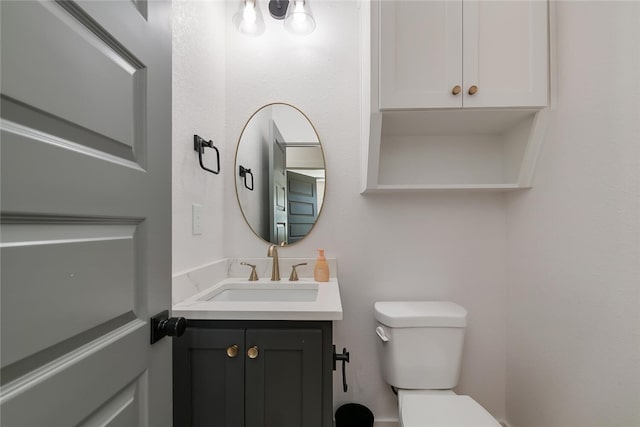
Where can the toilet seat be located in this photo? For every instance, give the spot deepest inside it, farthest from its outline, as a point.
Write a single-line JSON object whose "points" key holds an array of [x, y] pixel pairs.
{"points": [[421, 408]]}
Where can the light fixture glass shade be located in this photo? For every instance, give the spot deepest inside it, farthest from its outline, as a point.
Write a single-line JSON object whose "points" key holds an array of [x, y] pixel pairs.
{"points": [[299, 19], [248, 19]]}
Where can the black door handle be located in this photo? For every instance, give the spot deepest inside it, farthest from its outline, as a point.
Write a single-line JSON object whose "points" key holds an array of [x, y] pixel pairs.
{"points": [[162, 326]]}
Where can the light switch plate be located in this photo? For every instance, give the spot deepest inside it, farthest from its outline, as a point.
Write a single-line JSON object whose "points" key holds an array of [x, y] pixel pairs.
{"points": [[196, 220]]}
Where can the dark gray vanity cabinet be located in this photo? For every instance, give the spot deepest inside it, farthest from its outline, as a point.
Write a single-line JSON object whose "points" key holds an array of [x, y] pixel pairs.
{"points": [[253, 374]]}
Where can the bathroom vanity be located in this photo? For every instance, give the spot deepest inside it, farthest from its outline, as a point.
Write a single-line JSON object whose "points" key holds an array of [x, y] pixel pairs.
{"points": [[258, 349], [256, 353], [253, 373]]}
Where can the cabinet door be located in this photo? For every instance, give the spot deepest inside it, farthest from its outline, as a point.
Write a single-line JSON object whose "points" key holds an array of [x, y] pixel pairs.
{"points": [[505, 53], [284, 381], [420, 54], [208, 381]]}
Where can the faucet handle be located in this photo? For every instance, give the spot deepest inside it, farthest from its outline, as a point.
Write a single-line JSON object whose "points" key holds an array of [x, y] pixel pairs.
{"points": [[294, 273], [253, 276]]}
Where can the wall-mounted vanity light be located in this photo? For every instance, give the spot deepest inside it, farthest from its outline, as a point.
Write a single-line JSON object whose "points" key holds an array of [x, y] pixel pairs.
{"points": [[278, 8], [297, 16]]}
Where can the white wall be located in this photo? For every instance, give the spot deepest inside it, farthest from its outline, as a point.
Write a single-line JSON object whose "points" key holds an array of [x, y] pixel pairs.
{"points": [[253, 153], [294, 127], [571, 248], [198, 108], [393, 247], [574, 239]]}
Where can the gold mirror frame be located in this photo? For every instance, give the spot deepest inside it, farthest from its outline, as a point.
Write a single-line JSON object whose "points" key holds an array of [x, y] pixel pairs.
{"points": [[250, 181]]}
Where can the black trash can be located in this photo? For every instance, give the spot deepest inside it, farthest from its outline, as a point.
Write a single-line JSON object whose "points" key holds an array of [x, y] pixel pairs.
{"points": [[354, 415]]}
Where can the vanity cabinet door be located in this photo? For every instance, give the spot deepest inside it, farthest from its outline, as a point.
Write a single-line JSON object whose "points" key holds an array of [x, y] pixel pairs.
{"points": [[284, 377], [279, 375], [208, 384]]}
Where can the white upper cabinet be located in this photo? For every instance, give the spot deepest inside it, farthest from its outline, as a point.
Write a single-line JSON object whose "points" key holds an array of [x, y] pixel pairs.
{"points": [[463, 53], [420, 54]]}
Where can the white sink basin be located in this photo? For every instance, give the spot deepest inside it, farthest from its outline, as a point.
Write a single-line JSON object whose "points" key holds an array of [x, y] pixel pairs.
{"points": [[261, 292], [240, 299]]}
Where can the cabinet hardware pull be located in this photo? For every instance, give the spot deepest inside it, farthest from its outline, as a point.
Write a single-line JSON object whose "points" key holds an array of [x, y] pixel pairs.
{"points": [[456, 90], [232, 351], [253, 352], [473, 89]]}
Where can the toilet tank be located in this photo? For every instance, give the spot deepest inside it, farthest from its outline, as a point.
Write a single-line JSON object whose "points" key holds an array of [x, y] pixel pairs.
{"points": [[420, 343]]}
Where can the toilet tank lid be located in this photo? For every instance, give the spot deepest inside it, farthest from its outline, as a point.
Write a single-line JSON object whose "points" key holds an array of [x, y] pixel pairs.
{"points": [[416, 314]]}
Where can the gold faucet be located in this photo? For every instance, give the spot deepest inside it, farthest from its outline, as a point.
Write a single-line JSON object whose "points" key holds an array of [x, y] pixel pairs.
{"points": [[253, 276], [294, 273], [275, 271]]}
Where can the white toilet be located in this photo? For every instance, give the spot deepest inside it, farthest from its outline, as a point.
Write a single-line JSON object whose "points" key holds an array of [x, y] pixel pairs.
{"points": [[420, 349]]}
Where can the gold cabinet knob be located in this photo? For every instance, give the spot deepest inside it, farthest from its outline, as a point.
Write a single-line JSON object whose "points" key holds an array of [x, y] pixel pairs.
{"points": [[232, 351], [473, 89], [456, 90], [253, 352]]}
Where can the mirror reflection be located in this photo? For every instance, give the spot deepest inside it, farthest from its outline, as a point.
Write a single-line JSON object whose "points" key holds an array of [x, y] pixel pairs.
{"points": [[280, 174]]}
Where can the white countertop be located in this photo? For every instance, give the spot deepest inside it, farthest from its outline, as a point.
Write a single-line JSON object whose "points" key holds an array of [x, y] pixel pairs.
{"points": [[327, 305]]}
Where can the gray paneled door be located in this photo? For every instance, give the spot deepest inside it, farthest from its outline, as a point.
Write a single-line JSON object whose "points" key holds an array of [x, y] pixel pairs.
{"points": [[86, 212], [302, 202], [277, 187]]}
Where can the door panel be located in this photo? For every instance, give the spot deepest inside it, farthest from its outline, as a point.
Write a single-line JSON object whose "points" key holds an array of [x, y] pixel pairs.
{"points": [[208, 384], [123, 410], [420, 53], [277, 188], [86, 77], [505, 53], [284, 383], [302, 198], [60, 292], [73, 387], [86, 216]]}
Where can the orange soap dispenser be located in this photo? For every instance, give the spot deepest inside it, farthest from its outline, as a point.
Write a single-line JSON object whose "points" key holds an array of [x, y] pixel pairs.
{"points": [[321, 270]]}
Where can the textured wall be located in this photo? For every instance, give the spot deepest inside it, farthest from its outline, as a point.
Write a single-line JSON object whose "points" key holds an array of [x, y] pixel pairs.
{"points": [[389, 247], [198, 108], [574, 239], [571, 246]]}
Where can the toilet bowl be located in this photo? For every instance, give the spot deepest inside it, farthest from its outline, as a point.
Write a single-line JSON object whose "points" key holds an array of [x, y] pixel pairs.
{"points": [[420, 348]]}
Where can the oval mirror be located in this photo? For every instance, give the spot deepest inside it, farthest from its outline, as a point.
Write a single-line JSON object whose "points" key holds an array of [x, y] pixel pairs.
{"points": [[280, 174]]}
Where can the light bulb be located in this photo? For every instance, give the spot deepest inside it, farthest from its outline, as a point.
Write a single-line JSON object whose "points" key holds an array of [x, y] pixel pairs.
{"points": [[249, 13], [298, 13], [248, 18], [299, 19]]}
